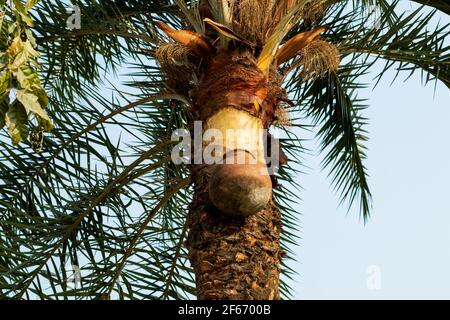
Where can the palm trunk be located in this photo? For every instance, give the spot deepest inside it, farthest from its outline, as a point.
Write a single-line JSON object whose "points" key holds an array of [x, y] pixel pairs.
{"points": [[235, 255], [234, 226], [234, 259]]}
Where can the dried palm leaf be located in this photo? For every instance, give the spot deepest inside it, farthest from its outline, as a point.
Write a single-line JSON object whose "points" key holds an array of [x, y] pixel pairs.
{"points": [[224, 30], [282, 7], [295, 44], [196, 42], [222, 12]]}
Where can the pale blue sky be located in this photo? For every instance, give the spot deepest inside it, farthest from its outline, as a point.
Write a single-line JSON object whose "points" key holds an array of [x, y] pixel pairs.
{"points": [[408, 236]]}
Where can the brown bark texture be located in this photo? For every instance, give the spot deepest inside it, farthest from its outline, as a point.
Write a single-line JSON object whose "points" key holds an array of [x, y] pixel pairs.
{"points": [[233, 259]]}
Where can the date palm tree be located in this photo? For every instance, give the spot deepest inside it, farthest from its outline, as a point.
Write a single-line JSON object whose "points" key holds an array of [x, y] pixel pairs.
{"points": [[93, 204]]}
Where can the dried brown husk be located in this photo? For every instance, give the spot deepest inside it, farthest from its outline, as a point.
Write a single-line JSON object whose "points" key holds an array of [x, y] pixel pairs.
{"points": [[318, 58], [252, 19], [176, 61], [282, 116]]}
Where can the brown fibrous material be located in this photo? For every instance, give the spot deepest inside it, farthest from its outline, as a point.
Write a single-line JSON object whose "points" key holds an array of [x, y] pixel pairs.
{"points": [[252, 19], [234, 80], [176, 62], [282, 117], [318, 58], [256, 20], [313, 12]]}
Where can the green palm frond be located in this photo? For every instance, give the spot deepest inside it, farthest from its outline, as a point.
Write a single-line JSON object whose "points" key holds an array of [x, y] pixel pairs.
{"points": [[409, 45], [88, 200], [73, 57], [406, 43], [332, 106], [442, 5]]}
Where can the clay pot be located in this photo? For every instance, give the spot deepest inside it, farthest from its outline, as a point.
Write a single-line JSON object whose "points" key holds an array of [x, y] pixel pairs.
{"points": [[240, 190]]}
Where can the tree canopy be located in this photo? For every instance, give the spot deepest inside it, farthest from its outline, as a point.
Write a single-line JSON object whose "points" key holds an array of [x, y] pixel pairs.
{"points": [[86, 178]]}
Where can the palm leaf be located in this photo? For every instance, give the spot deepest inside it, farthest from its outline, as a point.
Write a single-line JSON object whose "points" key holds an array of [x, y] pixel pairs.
{"points": [[442, 5]]}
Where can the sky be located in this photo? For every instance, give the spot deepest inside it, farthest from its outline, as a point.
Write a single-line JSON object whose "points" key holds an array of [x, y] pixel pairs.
{"points": [[403, 251], [408, 235]]}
